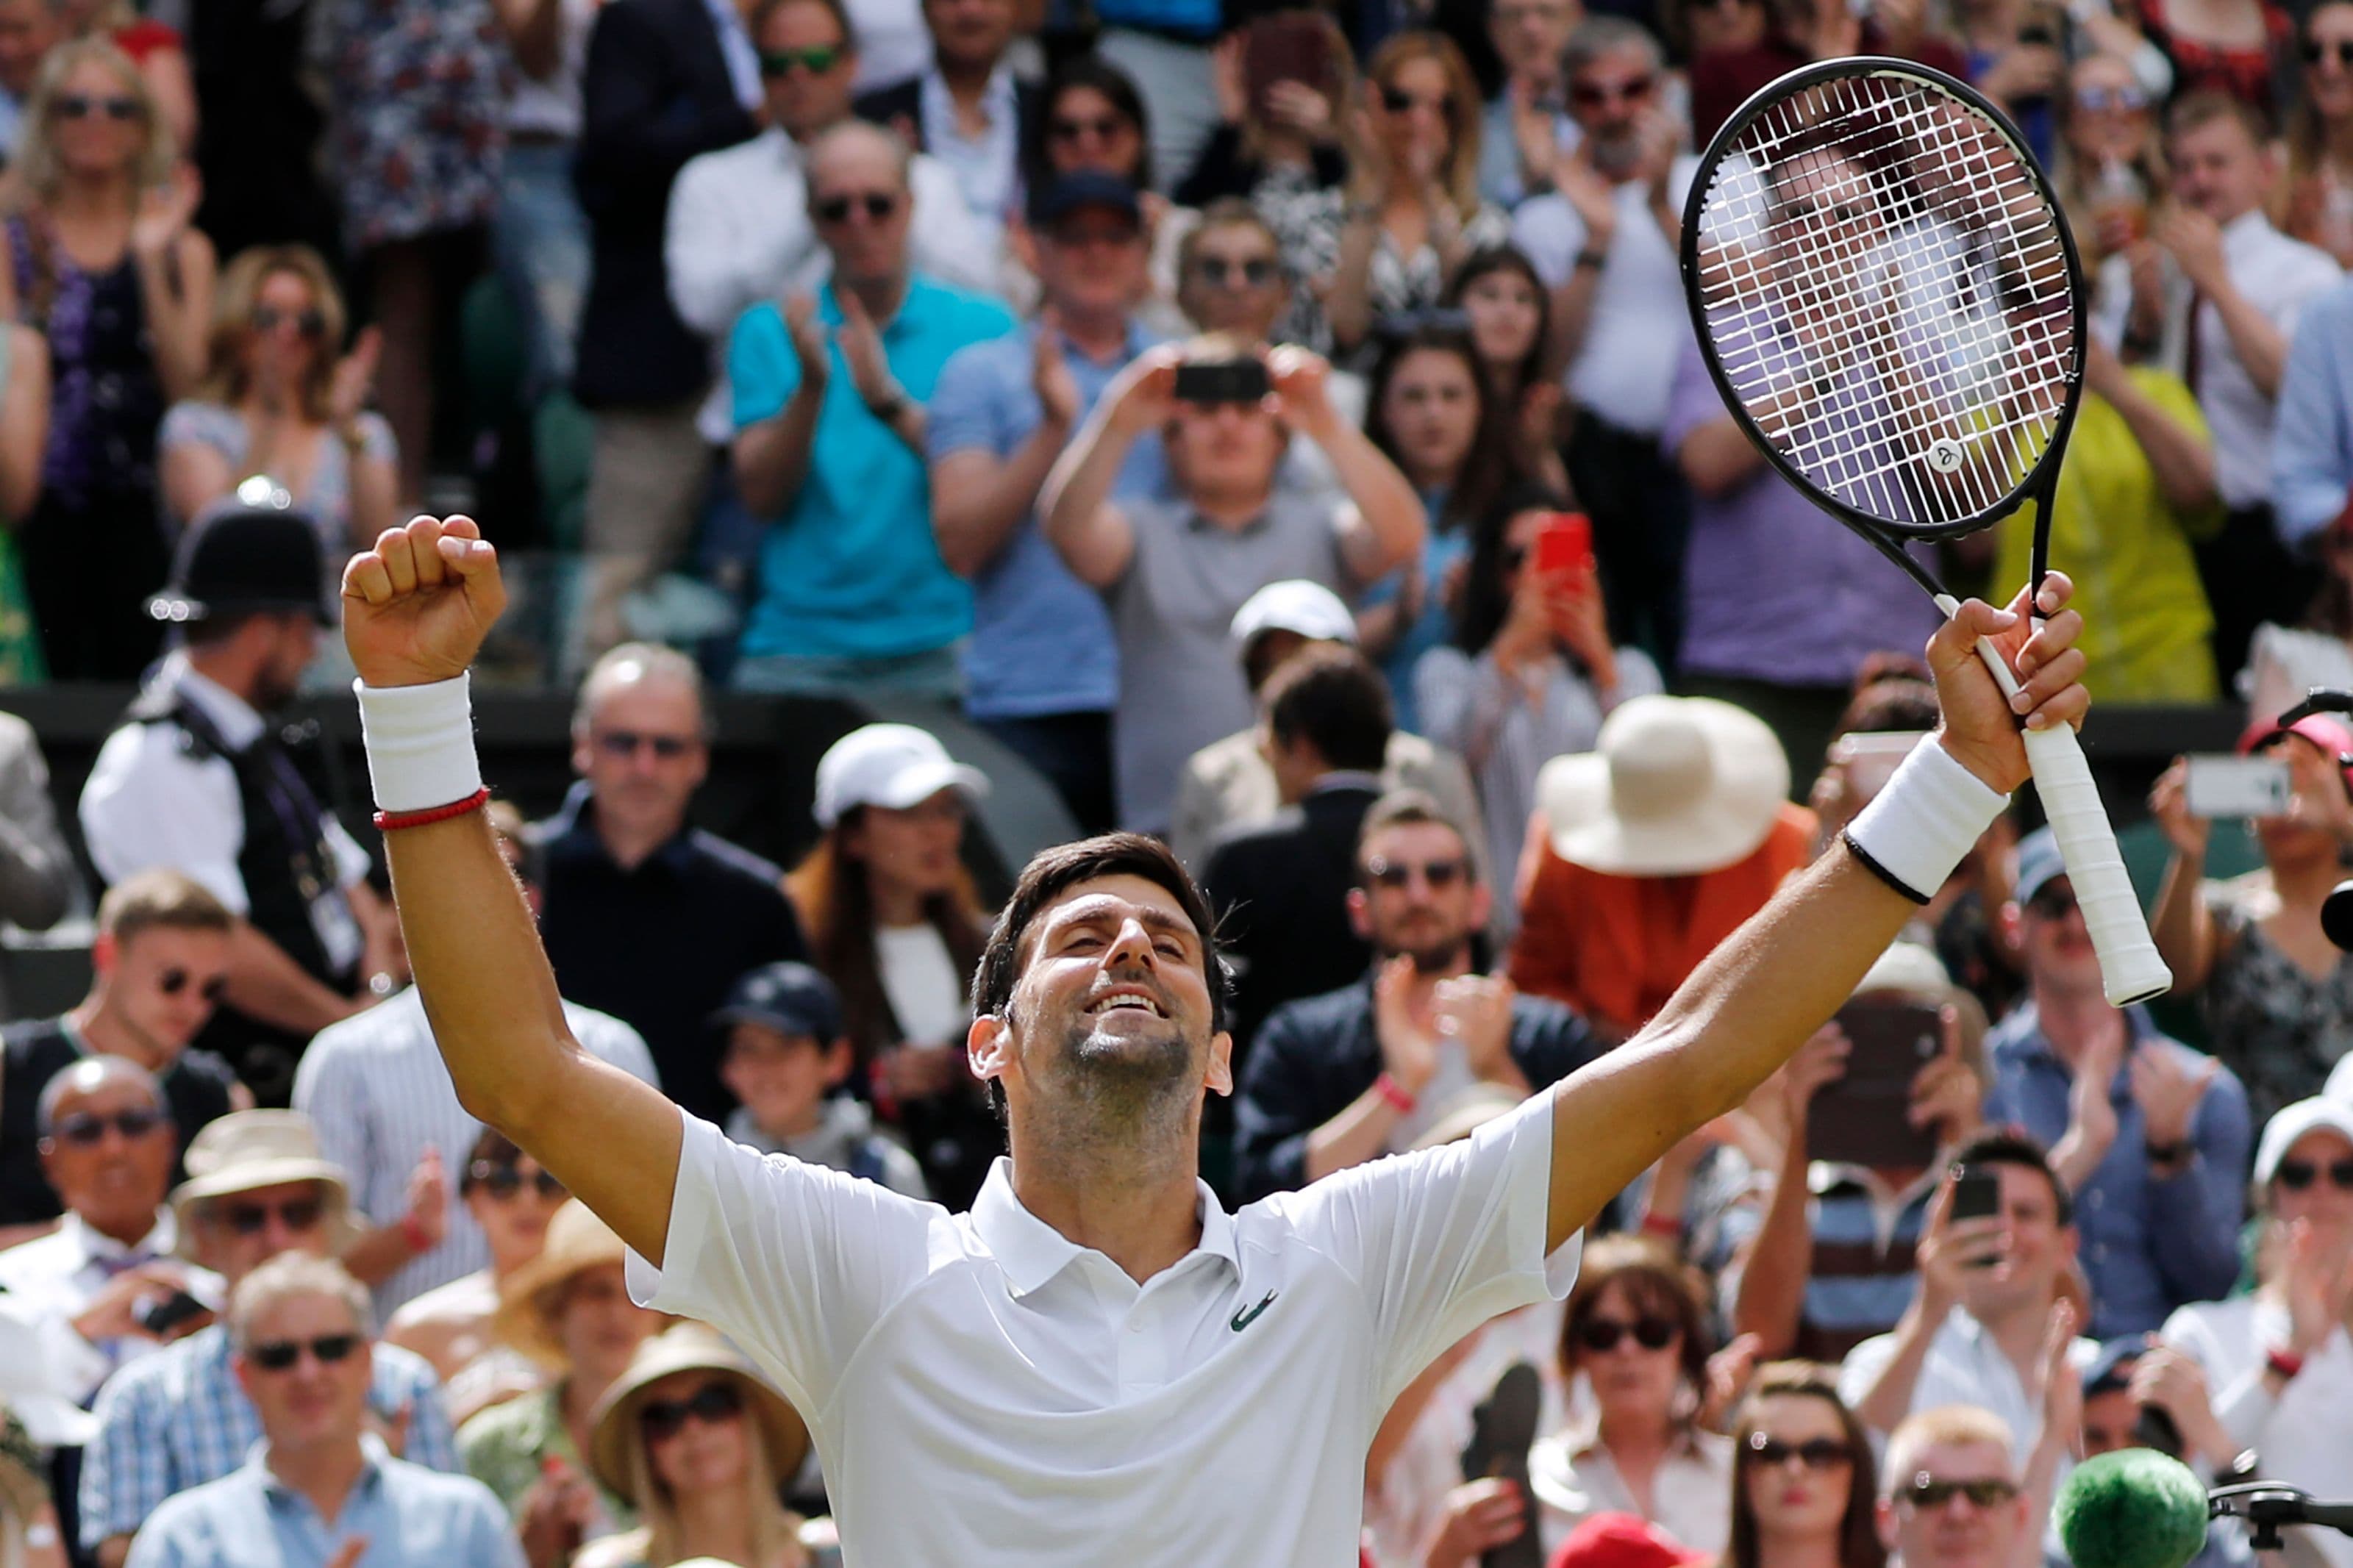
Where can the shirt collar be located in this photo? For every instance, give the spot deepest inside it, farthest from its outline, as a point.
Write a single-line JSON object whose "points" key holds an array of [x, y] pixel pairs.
{"points": [[1032, 1252], [238, 724], [2250, 227], [93, 1244], [373, 1455], [995, 99]]}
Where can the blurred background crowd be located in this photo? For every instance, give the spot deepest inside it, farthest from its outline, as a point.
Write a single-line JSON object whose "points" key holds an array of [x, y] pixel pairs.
{"points": [[1276, 430]]}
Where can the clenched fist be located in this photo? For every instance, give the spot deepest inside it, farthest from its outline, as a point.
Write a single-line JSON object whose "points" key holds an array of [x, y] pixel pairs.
{"points": [[418, 606]]}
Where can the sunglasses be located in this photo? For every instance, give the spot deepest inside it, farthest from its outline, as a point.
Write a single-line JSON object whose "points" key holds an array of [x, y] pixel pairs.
{"points": [[1394, 874], [1396, 100], [711, 1404], [1593, 94], [2124, 99], [252, 1219], [279, 1355], [172, 981], [87, 1130], [1102, 129], [311, 324], [81, 106], [2318, 50], [879, 204], [2297, 1175], [1814, 1453], [627, 743], [1600, 1335], [1930, 1492], [816, 61], [1224, 272], [504, 1182]]}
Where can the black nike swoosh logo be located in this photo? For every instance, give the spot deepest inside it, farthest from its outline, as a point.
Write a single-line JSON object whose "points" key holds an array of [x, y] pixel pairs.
{"points": [[1249, 1315]]}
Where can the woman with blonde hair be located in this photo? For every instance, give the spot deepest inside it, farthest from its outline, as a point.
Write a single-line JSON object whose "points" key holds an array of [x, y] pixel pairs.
{"points": [[103, 260], [278, 400], [702, 1448], [1413, 210], [155, 47]]}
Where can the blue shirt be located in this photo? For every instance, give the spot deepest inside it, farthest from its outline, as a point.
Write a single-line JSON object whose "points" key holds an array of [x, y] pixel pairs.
{"points": [[1440, 548], [177, 1419], [1042, 640], [2147, 1245], [2311, 432], [409, 1516], [851, 570]]}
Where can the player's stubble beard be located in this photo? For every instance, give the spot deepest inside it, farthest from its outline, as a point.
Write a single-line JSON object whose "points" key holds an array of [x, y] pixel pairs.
{"points": [[1119, 1103]]}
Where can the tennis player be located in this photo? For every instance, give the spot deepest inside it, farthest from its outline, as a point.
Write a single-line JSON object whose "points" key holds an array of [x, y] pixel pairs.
{"points": [[1099, 1365]]}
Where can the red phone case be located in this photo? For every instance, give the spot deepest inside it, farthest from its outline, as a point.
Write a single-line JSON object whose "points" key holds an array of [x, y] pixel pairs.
{"points": [[1564, 543]]}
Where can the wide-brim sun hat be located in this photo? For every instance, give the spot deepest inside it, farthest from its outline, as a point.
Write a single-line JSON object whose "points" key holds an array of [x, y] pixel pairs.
{"points": [[689, 1347], [891, 765], [248, 1150], [576, 1241], [1675, 787]]}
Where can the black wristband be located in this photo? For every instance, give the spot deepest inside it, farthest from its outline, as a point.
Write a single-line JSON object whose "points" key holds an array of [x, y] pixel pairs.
{"points": [[1597, 260], [2174, 1154], [1863, 858]]}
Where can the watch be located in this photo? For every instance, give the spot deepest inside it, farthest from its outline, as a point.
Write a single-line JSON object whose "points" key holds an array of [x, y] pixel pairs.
{"points": [[888, 406], [1597, 260], [2172, 1154]]}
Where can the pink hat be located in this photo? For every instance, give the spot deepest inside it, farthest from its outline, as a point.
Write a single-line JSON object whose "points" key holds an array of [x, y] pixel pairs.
{"points": [[1622, 1541], [2326, 730]]}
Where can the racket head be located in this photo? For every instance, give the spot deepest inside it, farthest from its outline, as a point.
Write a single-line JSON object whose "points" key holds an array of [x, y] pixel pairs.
{"points": [[1888, 296]]}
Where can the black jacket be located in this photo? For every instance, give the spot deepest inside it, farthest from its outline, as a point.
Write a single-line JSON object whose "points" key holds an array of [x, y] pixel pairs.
{"points": [[1313, 1058], [655, 93], [899, 106]]}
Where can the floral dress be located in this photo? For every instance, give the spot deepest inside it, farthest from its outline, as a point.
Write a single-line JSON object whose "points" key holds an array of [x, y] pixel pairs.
{"points": [[2269, 1019], [1306, 219], [421, 91]]}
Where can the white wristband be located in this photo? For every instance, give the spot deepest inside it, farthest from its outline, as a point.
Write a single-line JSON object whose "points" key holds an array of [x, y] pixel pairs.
{"points": [[1927, 817], [420, 743]]}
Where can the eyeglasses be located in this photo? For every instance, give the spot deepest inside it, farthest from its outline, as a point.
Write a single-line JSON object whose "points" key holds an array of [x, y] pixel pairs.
{"points": [[279, 1355], [711, 1404], [1931, 1492], [1103, 128], [1394, 874], [2318, 50], [252, 1219], [1398, 101], [172, 981], [1225, 272], [1593, 94], [503, 1182], [1600, 1335], [2297, 1175], [311, 324], [2122, 99], [81, 106], [1814, 1453], [816, 61], [87, 1130], [627, 743], [2052, 903], [878, 206]]}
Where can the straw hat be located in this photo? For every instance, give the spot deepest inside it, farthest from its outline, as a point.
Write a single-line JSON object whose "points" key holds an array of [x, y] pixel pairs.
{"points": [[248, 1150], [689, 1347], [1679, 785], [576, 1242]]}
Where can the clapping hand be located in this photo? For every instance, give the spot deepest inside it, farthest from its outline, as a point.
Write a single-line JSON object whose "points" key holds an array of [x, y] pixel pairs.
{"points": [[1475, 1010], [2169, 803], [862, 351], [1300, 383], [807, 335], [2167, 1090], [1049, 374], [166, 211], [1409, 1053], [426, 1216], [2195, 242]]}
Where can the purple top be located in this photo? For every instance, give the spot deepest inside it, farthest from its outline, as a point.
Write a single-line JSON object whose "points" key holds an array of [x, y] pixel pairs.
{"points": [[1774, 588]]}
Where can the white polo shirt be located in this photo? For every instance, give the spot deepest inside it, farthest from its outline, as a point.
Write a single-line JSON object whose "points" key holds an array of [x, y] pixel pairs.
{"points": [[982, 1390]]}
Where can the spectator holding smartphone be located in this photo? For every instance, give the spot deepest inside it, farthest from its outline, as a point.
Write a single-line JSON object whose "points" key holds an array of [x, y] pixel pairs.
{"points": [[2150, 1137]]}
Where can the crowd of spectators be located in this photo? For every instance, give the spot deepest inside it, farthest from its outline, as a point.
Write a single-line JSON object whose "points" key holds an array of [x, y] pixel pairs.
{"points": [[1280, 429]]}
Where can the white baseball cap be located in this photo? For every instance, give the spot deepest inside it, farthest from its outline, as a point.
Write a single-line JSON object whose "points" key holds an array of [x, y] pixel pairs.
{"points": [[2291, 1123], [891, 765], [1310, 609]]}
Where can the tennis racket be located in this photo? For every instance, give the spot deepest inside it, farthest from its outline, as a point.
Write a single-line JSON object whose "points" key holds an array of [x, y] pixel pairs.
{"points": [[1890, 302]]}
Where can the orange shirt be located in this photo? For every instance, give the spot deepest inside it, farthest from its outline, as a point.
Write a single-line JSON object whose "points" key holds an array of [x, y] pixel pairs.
{"points": [[1615, 948]]}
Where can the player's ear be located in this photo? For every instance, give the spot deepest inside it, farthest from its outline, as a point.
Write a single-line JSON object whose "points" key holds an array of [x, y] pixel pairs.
{"points": [[1219, 1079], [988, 1046]]}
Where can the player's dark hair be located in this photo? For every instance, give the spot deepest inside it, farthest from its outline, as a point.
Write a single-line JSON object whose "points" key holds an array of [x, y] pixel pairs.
{"points": [[1331, 698], [2010, 1146]]}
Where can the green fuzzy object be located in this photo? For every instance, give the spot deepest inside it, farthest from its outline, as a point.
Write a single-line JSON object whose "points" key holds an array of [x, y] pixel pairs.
{"points": [[2132, 1509]]}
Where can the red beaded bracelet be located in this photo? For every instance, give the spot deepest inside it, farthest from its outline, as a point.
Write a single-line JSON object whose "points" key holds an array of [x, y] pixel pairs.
{"points": [[2285, 1362], [389, 820], [1390, 1089]]}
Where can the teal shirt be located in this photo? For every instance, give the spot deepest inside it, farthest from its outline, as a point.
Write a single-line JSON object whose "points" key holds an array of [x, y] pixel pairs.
{"points": [[851, 570]]}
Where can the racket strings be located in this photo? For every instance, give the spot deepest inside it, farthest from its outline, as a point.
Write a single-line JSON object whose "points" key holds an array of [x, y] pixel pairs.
{"points": [[1888, 292]]}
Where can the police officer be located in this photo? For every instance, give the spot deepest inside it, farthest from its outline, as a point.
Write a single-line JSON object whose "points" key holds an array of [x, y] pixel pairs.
{"points": [[199, 778]]}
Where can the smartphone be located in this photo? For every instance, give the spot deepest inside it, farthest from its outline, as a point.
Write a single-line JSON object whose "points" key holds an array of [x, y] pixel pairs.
{"points": [[1869, 758], [161, 1316], [1564, 544], [1859, 1120], [1977, 1196], [1221, 381], [1289, 45], [2236, 786]]}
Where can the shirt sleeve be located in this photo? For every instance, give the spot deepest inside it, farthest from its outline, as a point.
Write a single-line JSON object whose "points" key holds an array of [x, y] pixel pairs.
{"points": [[966, 410], [794, 1262], [2311, 469], [489, 1543], [761, 365], [148, 803], [1442, 1240], [203, 425]]}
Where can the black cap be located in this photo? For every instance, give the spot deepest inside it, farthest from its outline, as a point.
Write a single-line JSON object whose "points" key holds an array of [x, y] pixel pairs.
{"points": [[2112, 1369], [256, 550], [1066, 193], [790, 998]]}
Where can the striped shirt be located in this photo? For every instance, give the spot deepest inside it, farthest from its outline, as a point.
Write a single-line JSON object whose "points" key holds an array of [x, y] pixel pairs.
{"points": [[378, 1092], [177, 1419], [1863, 1274]]}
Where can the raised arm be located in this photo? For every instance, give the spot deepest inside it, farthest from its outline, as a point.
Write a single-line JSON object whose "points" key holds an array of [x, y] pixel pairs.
{"points": [[1075, 512], [415, 609], [1769, 986], [1383, 526]]}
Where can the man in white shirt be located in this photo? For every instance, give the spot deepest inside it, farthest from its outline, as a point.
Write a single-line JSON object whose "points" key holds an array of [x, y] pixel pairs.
{"points": [[2214, 295], [738, 230], [1606, 244], [1099, 1358], [967, 110]]}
